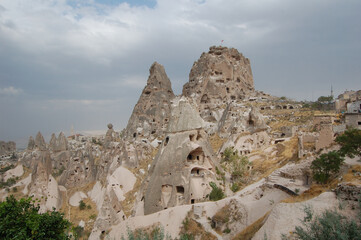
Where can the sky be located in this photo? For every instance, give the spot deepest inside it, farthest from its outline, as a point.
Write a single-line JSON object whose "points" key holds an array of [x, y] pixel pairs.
{"points": [[84, 63]]}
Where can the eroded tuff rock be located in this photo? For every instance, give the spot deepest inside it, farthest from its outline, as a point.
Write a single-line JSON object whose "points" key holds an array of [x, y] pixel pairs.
{"points": [[237, 118], [184, 165], [221, 75], [58, 144], [109, 136], [151, 113], [7, 147], [40, 142], [31, 143]]}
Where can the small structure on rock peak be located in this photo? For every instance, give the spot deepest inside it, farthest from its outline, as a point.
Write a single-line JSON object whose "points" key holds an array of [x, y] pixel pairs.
{"points": [[184, 165], [151, 113]]}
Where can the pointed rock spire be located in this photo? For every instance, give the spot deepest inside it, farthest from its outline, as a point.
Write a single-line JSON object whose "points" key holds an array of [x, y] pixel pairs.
{"points": [[40, 142], [151, 113], [31, 143]]}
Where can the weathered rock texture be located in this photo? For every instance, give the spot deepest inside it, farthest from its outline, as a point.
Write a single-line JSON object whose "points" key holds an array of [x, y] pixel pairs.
{"points": [[184, 165], [221, 75], [7, 147], [109, 136], [58, 144], [40, 142], [151, 113]]}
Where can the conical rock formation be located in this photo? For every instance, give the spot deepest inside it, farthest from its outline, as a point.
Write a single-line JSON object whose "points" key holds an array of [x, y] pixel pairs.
{"points": [[151, 113]]}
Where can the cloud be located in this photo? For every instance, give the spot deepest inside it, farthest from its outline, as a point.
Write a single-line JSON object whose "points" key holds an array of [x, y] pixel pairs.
{"points": [[10, 91]]}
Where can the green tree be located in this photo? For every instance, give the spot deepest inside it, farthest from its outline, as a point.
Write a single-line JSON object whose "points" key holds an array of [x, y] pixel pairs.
{"points": [[326, 165], [22, 220], [350, 142], [325, 99]]}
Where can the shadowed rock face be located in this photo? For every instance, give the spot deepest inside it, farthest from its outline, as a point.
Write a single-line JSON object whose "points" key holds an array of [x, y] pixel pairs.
{"points": [[221, 75], [151, 113], [184, 165]]}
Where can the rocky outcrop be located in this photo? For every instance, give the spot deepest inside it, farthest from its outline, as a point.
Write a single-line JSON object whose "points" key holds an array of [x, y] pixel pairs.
{"points": [[256, 121], [184, 165], [348, 191], [7, 147], [219, 76], [109, 136], [40, 142], [58, 144], [151, 114], [31, 143]]}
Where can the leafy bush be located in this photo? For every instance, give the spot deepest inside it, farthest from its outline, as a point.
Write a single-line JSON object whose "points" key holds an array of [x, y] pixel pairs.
{"points": [[8, 183], [229, 155], [78, 232], [329, 225], [186, 236], [156, 234], [4, 169], [235, 187], [326, 165], [216, 193], [82, 205], [21, 220], [350, 142]]}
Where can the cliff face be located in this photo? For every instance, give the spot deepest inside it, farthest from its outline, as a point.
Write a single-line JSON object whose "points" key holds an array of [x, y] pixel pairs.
{"points": [[221, 75], [151, 114], [184, 166]]}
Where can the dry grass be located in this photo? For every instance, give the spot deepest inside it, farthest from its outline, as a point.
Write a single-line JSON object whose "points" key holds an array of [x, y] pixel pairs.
{"points": [[316, 189], [286, 151], [223, 214], [351, 175], [216, 142], [74, 214], [251, 230], [195, 229], [129, 201]]}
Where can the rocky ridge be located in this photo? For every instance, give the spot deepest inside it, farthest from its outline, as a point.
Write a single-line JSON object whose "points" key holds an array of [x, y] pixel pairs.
{"points": [[159, 169]]}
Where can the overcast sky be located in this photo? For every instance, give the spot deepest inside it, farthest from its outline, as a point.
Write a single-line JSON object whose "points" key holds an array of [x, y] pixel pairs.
{"points": [[85, 62]]}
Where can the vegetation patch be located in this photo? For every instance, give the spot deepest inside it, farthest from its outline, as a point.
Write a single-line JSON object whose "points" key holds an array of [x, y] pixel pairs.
{"points": [[192, 229], [251, 230]]}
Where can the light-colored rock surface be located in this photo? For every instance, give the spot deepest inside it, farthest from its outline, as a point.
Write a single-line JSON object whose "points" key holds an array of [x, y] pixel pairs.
{"points": [[286, 216], [76, 198], [18, 171], [151, 114], [184, 166], [121, 181]]}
